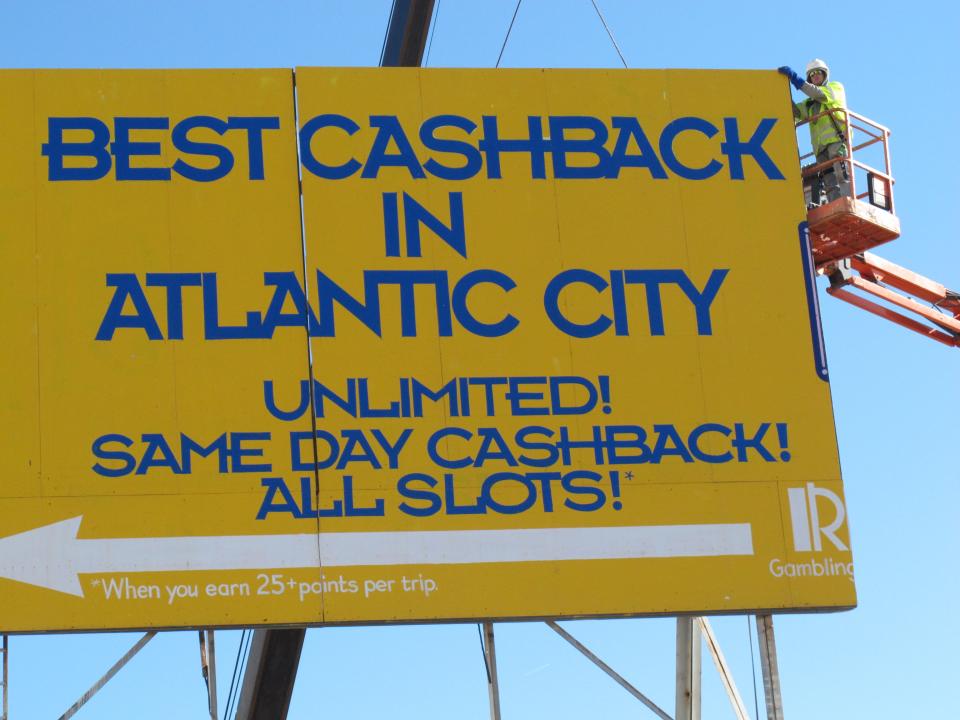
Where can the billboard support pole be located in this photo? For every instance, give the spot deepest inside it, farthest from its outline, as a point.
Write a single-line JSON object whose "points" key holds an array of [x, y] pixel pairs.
{"points": [[204, 668], [212, 667], [6, 678], [490, 658], [768, 664], [688, 668], [208, 668]]}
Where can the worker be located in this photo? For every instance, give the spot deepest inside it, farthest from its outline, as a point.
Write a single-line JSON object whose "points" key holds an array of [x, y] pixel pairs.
{"points": [[827, 133]]}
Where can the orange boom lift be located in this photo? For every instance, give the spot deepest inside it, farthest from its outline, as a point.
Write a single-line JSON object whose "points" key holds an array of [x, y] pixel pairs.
{"points": [[843, 230]]}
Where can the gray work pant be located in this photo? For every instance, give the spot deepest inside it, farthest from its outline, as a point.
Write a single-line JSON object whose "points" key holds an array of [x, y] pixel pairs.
{"points": [[833, 181]]}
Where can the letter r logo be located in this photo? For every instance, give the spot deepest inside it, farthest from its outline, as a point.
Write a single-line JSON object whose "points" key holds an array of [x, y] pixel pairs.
{"points": [[805, 518]]}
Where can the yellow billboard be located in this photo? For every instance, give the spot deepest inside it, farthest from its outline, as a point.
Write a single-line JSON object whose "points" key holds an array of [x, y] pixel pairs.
{"points": [[461, 344]]}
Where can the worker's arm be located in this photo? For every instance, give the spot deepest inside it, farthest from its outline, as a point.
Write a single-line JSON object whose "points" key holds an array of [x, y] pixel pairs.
{"points": [[814, 92]]}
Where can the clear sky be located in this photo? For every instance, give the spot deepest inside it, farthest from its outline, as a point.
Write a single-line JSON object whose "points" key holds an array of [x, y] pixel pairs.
{"points": [[895, 394]]}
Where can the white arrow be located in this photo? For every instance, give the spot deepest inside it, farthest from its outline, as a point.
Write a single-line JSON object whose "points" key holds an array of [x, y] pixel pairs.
{"points": [[53, 556]]}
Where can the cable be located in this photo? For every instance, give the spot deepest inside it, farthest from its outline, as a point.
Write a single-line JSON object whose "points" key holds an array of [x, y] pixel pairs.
{"points": [[433, 25], [234, 676], [243, 663], [610, 34], [753, 667], [504, 46]]}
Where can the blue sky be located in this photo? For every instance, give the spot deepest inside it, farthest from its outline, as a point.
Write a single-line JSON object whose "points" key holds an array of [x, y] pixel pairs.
{"points": [[895, 394]]}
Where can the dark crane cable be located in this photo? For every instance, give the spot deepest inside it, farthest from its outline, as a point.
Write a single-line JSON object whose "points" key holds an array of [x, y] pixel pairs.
{"points": [[512, 21], [609, 34], [433, 28], [243, 663], [234, 676]]}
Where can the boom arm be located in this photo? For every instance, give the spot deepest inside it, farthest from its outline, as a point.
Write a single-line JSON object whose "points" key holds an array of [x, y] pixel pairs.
{"points": [[903, 289]]}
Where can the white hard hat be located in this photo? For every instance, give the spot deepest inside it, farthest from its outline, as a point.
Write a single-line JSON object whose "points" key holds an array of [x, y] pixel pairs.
{"points": [[817, 64]]}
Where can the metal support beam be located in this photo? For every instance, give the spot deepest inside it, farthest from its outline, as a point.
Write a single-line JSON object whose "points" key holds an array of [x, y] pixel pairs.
{"points": [[98, 685], [622, 681], [208, 668], [270, 674], [6, 679], [726, 676], [407, 33], [768, 664], [688, 668], [205, 670], [490, 657]]}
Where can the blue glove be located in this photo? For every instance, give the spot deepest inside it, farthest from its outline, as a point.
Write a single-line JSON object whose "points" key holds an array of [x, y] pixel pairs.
{"points": [[795, 79]]}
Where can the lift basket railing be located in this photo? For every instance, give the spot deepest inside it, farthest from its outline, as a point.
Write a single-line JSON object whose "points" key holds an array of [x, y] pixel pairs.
{"points": [[878, 183]]}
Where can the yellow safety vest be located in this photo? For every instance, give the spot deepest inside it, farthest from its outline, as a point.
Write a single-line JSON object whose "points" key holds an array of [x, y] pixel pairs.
{"points": [[823, 130]]}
